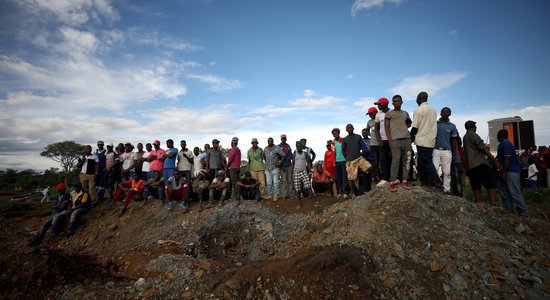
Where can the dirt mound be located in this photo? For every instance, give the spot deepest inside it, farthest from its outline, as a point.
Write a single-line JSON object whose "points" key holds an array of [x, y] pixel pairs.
{"points": [[409, 244]]}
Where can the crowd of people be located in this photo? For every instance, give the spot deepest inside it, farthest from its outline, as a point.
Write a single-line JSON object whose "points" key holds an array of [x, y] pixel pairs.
{"points": [[381, 156]]}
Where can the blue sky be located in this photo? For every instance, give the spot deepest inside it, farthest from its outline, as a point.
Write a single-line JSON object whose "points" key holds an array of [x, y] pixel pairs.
{"points": [[136, 71]]}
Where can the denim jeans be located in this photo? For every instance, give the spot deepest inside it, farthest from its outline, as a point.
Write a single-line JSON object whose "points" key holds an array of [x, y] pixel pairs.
{"points": [[248, 193], [426, 168], [286, 181], [272, 181], [37, 239], [74, 218], [341, 177], [510, 192], [155, 191]]}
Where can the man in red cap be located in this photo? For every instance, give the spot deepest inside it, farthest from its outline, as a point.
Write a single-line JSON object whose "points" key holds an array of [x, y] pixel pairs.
{"points": [[61, 205], [384, 158], [156, 159]]}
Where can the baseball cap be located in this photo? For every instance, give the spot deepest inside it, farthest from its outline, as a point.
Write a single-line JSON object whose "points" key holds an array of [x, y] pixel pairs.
{"points": [[382, 100], [77, 184], [469, 124], [215, 141], [235, 140], [221, 173], [283, 135], [100, 143], [156, 142], [110, 145], [372, 110], [60, 186], [254, 140], [335, 129], [329, 142]]}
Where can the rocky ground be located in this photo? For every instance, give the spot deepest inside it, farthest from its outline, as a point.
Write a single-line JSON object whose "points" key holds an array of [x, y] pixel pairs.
{"points": [[407, 245]]}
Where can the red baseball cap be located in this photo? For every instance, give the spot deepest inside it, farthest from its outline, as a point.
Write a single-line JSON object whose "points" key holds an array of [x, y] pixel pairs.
{"points": [[60, 186], [382, 100], [372, 110], [156, 142]]}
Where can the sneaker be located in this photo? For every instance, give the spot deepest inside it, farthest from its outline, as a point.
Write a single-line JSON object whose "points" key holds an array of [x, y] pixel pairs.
{"points": [[345, 196], [274, 198], [381, 184], [169, 206], [405, 185], [150, 198], [122, 211], [393, 187], [183, 206]]}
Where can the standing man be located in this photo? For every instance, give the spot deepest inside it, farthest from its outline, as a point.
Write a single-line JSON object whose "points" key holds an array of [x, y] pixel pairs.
{"points": [[89, 165], [215, 160], [139, 161], [234, 164], [384, 152], [128, 162], [330, 161], [352, 145], [340, 164], [100, 180], [185, 161], [273, 156], [197, 166], [308, 150], [400, 143], [286, 168], [301, 165], [170, 159], [477, 167], [256, 165], [145, 164], [423, 133], [445, 147], [374, 145], [156, 159], [510, 188]]}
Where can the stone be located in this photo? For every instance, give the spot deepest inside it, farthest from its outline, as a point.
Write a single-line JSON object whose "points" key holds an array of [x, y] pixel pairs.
{"points": [[446, 288], [139, 284], [187, 296], [149, 292], [520, 228], [169, 276], [435, 266], [390, 282], [304, 289], [353, 287], [399, 251], [199, 273], [267, 227], [233, 284], [533, 294], [459, 283]]}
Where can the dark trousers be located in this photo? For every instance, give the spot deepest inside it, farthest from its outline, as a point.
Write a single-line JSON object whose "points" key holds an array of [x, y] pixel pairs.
{"points": [[341, 177], [384, 160], [375, 159], [457, 183], [426, 168], [248, 193]]}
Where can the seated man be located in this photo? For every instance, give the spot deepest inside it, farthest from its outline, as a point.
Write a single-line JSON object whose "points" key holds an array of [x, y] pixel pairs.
{"points": [[218, 188], [323, 182], [177, 189], [80, 204], [154, 187], [248, 188], [61, 205], [133, 189], [200, 187]]}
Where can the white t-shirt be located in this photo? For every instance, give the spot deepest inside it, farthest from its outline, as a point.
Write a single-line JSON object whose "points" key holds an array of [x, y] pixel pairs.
{"points": [[146, 167], [531, 172], [425, 120], [196, 165], [127, 159], [216, 180], [379, 119], [183, 162]]}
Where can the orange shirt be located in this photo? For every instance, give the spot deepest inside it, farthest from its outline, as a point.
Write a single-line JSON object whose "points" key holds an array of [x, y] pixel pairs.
{"points": [[321, 177], [136, 185]]}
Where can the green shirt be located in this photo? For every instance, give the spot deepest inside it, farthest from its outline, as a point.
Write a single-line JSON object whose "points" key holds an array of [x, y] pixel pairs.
{"points": [[256, 162]]}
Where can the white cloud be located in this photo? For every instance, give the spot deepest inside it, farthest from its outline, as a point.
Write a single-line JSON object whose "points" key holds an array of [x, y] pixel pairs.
{"points": [[409, 87], [368, 4], [312, 103], [73, 12], [308, 93], [216, 83], [365, 103]]}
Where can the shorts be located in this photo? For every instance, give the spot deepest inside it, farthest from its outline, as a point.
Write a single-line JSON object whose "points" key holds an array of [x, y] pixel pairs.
{"points": [[482, 175], [352, 167]]}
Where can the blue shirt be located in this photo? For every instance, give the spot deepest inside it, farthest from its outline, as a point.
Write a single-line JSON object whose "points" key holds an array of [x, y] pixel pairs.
{"points": [[170, 162], [338, 149], [507, 149], [365, 151], [445, 131]]}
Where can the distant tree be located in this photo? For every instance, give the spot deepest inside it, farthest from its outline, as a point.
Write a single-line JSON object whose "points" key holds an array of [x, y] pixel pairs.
{"points": [[65, 153]]}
